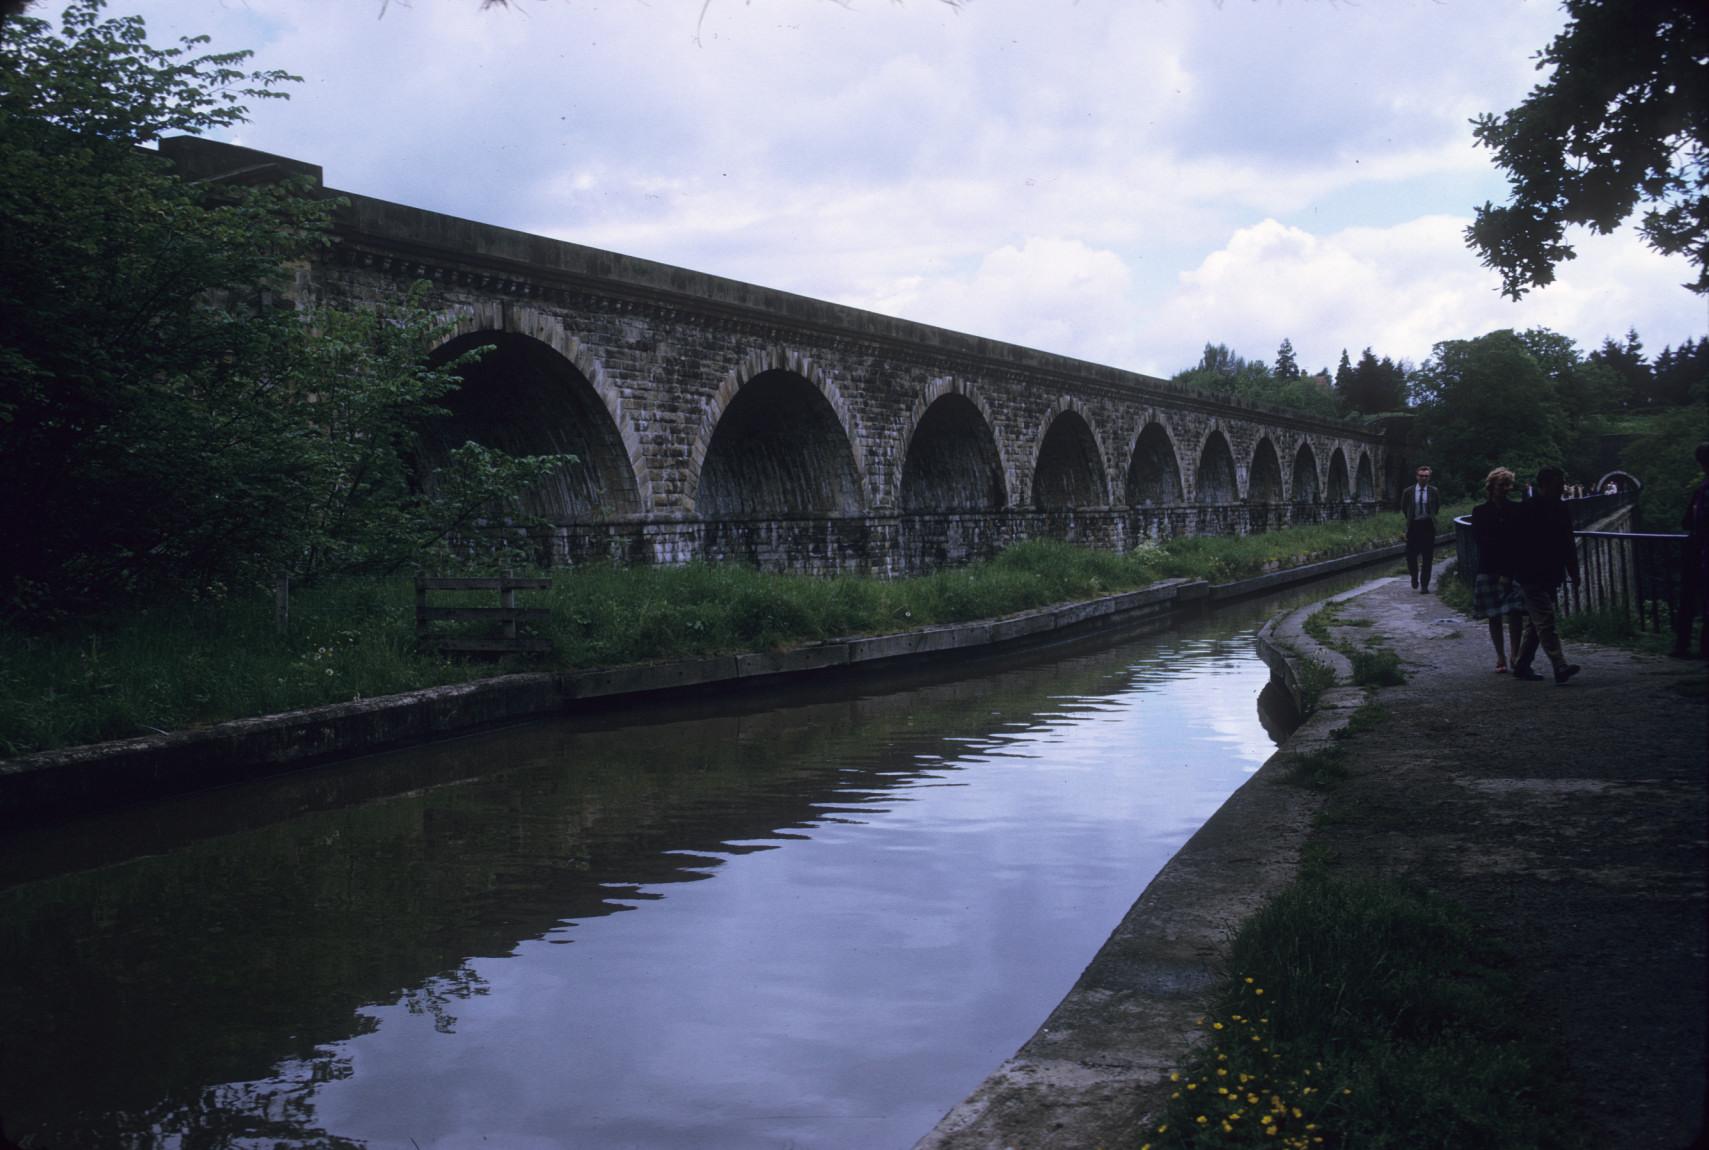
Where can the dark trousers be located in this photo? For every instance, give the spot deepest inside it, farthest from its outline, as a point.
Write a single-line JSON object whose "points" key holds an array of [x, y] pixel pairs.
{"points": [[1420, 550], [1692, 601], [1539, 626]]}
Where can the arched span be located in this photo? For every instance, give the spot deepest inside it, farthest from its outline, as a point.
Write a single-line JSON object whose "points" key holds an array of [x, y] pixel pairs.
{"points": [[778, 450], [951, 460], [1214, 481], [1304, 485], [754, 365], [1338, 489], [1154, 472], [524, 396], [1070, 470], [497, 316], [1264, 480], [1366, 487]]}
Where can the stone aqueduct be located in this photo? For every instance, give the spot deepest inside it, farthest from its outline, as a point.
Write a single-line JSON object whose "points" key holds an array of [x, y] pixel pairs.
{"points": [[720, 420]]}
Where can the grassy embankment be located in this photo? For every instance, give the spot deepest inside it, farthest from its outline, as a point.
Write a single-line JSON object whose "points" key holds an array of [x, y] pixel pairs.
{"points": [[192, 664], [1368, 1013]]}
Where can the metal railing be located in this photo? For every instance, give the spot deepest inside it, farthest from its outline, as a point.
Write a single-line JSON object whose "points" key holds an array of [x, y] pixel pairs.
{"points": [[1637, 574], [1628, 572]]}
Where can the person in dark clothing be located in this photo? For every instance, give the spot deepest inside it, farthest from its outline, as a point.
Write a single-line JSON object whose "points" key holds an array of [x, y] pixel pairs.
{"points": [[1419, 505], [1692, 598], [1494, 594], [1543, 553]]}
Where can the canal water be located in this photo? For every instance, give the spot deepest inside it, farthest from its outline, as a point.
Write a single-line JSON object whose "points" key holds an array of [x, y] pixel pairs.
{"points": [[813, 919]]}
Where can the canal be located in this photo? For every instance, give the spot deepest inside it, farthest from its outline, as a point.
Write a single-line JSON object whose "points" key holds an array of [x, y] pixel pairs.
{"points": [[813, 919]]}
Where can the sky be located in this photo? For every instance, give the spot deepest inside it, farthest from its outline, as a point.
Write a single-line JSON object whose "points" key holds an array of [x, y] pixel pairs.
{"points": [[1121, 181]]}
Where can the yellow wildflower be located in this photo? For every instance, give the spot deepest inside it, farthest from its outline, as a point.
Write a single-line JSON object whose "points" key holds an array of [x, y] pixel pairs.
{"points": [[1202, 1120]]}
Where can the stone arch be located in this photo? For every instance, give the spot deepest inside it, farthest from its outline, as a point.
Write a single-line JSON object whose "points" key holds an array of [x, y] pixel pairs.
{"points": [[1264, 478], [777, 439], [1338, 489], [1068, 470], [1214, 481], [1304, 487], [951, 458], [1154, 470], [1365, 488], [538, 391]]}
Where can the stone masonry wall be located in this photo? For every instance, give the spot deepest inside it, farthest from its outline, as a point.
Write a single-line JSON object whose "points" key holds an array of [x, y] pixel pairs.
{"points": [[810, 461]]}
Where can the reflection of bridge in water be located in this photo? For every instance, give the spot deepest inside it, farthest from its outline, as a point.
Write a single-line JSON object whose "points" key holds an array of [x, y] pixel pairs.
{"points": [[225, 948]]}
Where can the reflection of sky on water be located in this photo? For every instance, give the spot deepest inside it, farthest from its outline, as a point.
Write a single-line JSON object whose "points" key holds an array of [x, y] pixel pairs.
{"points": [[847, 987], [815, 919]]}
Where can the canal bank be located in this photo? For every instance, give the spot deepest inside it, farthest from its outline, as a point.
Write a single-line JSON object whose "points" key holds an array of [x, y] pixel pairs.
{"points": [[79, 779], [1568, 821]]}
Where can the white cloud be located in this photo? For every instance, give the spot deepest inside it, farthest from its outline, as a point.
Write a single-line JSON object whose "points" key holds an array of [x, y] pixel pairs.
{"points": [[1117, 181], [1401, 289], [1048, 293]]}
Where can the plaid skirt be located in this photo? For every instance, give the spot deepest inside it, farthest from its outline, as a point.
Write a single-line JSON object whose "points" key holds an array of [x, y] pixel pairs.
{"points": [[1488, 601]]}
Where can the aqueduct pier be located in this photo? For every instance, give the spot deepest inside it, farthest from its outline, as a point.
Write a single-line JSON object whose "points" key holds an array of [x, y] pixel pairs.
{"points": [[719, 420]]}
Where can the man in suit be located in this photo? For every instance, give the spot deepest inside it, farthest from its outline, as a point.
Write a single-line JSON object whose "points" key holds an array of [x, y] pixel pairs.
{"points": [[1419, 504]]}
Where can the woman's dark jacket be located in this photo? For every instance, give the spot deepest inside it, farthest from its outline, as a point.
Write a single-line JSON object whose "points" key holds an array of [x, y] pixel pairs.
{"points": [[1493, 525]]}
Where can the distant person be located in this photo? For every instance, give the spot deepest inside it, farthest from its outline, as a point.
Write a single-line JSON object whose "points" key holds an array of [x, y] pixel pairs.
{"points": [[1543, 554], [1494, 594], [1611, 488], [1419, 505], [1692, 595]]}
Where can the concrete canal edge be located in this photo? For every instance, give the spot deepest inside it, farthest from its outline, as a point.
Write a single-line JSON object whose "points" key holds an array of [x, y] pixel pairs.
{"points": [[74, 780], [1097, 1071]]}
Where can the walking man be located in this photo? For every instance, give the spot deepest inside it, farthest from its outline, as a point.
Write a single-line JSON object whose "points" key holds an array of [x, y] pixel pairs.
{"points": [[1419, 505], [1543, 553]]}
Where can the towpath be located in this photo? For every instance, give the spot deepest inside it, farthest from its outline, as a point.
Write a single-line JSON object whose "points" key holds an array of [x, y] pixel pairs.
{"points": [[1569, 820]]}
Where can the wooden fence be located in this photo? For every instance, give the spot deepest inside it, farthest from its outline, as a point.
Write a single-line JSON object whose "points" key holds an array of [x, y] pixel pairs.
{"points": [[507, 614]]}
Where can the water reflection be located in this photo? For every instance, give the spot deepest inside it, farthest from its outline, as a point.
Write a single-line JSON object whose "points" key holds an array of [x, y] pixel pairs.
{"points": [[814, 925]]}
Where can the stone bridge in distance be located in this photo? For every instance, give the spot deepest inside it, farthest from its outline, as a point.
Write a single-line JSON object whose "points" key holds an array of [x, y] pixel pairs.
{"points": [[722, 421]]}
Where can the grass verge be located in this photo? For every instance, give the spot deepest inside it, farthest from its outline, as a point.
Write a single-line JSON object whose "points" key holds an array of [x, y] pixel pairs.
{"points": [[1367, 1013], [194, 663]]}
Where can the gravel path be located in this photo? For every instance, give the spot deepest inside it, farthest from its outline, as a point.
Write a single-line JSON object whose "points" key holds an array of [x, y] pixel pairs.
{"points": [[1570, 820]]}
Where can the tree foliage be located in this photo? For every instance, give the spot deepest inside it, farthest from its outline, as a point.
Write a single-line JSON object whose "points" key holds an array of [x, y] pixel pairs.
{"points": [[1484, 403], [1372, 386], [1225, 372], [1622, 120], [170, 422]]}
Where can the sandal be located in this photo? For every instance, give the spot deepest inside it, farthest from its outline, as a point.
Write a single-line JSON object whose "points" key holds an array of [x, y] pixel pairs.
{"points": [[1501, 668]]}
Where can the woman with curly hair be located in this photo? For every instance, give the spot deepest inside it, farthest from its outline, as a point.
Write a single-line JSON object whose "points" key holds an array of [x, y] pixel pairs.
{"points": [[1494, 594]]}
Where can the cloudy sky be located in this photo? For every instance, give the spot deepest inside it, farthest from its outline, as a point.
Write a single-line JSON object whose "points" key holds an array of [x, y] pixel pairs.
{"points": [[1118, 180]]}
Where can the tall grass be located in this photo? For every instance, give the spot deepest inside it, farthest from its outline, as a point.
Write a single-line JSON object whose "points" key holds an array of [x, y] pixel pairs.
{"points": [[191, 664]]}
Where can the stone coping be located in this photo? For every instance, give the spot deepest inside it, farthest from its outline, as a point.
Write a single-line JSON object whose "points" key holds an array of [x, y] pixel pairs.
{"points": [[77, 779]]}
